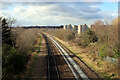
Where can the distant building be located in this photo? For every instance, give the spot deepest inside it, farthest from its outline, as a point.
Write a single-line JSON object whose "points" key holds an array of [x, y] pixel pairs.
{"points": [[78, 29], [83, 28], [65, 26], [68, 26], [75, 28]]}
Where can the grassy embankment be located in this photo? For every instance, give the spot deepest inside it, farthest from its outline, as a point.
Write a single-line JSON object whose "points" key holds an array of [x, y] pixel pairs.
{"points": [[34, 56], [28, 41], [103, 68]]}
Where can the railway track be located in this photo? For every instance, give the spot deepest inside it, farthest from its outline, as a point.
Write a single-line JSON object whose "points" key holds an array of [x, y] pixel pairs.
{"points": [[52, 70], [58, 54], [86, 69]]}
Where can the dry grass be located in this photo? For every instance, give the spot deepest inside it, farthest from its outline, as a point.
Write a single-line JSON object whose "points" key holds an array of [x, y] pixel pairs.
{"points": [[32, 63], [66, 35], [25, 39], [101, 67]]}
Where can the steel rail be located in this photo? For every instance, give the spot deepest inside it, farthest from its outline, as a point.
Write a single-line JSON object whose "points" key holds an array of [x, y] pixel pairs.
{"points": [[64, 53], [51, 58], [71, 68], [78, 58], [58, 76], [48, 62]]}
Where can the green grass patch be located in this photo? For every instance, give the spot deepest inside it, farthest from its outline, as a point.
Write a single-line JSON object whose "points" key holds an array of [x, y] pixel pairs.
{"points": [[41, 38]]}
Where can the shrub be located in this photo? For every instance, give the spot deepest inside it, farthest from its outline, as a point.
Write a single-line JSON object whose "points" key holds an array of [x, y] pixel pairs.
{"points": [[77, 41], [13, 61], [69, 36], [101, 30], [103, 51], [92, 37], [25, 39], [108, 33], [87, 38]]}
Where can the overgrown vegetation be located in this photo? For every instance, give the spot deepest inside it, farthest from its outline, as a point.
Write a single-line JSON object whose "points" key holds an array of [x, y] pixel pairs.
{"points": [[86, 38], [13, 61], [25, 39], [32, 64], [15, 49], [108, 38], [103, 34], [11, 58]]}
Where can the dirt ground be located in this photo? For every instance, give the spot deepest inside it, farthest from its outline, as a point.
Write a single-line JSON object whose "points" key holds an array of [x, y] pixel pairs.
{"points": [[40, 71]]}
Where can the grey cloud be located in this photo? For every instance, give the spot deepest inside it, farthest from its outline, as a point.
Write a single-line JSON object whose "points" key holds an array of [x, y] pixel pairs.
{"points": [[73, 9], [93, 16], [78, 10]]}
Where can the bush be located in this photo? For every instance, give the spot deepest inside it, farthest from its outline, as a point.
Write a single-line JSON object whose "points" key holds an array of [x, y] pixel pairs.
{"points": [[108, 33], [77, 41], [87, 38], [69, 36], [25, 39], [103, 51], [13, 61]]}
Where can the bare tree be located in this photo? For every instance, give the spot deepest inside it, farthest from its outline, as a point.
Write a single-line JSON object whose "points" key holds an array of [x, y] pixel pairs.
{"points": [[98, 22]]}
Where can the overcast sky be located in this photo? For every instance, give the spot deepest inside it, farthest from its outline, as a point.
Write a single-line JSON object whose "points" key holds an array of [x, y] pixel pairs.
{"points": [[59, 13]]}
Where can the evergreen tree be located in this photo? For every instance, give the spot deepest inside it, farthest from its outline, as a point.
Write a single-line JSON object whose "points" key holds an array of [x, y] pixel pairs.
{"points": [[7, 37]]}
